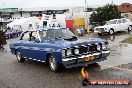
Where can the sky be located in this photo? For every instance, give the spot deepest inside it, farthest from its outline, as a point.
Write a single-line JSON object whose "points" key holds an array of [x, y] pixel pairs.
{"points": [[56, 3]]}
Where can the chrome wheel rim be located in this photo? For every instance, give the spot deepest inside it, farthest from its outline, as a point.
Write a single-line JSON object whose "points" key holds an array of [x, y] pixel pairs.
{"points": [[18, 55], [130, 28], [52, 63], [111, 31]]}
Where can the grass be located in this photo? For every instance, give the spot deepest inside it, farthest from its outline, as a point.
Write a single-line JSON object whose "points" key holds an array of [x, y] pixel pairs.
{"points": [[128, 40]]}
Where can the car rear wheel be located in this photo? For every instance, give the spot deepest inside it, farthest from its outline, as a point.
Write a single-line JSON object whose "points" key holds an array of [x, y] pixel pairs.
{"points": [[9, 37], [53, 64], [111, 31], [19, 57], [17, 35], [129, 28]]}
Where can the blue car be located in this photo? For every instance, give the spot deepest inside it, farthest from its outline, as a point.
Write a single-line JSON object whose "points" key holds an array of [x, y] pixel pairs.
{"points": [[59, 47]]}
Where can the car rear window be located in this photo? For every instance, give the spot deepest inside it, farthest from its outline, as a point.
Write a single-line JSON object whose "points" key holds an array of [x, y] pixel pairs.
{"points": [[111, 22]]}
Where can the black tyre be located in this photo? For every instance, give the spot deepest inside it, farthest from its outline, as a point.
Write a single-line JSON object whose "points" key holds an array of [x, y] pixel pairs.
{"points": [[85, 82], [19, 57], [111, 31], [0, 46], [9, 37], [129, 28], [53, 64], [17, 35]]}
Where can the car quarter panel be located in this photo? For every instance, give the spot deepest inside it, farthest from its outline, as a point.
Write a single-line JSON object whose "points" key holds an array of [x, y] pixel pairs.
{"points": [[39, 51]]}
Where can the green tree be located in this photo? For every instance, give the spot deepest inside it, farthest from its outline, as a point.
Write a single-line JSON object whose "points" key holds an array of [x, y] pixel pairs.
{"points": [[103, 14]]}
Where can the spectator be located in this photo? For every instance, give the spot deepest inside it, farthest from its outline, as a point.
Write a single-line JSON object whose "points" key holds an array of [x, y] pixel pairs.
{"points": [[2, 39], [80, 31]]}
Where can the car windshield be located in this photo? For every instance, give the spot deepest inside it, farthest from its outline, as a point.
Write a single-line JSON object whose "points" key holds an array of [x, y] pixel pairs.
{"points": [[111, 22], [56, 34]]}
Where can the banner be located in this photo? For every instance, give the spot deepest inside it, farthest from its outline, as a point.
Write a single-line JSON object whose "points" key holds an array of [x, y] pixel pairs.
{"points": [[8, 9]]}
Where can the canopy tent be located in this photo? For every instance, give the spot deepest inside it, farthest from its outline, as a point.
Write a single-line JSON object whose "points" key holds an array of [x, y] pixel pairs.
{"points": [[24, 23]]}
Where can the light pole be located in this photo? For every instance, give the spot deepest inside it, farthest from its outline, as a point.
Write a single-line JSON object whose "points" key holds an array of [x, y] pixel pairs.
{"points": [[112, 2], [86, 17]]}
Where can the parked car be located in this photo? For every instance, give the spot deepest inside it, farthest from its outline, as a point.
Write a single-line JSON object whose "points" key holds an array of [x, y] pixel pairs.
{"points": [[12, 33], [113, 26], [59, 47]]}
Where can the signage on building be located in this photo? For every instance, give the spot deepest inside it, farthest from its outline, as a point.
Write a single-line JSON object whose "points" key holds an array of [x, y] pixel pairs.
{"points": [[9, 9]]}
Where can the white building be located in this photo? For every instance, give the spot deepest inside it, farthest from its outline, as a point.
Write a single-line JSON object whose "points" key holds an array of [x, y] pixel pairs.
{"points": [[9, 14], [24, 24]]}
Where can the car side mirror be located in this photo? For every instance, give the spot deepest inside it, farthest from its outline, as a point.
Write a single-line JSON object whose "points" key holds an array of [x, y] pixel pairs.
{"points": [[37, 40]]}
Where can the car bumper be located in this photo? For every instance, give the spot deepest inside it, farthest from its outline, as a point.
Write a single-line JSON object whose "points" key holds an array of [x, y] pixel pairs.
{"points": [[97, 31], [79, 61], [100, 31]]}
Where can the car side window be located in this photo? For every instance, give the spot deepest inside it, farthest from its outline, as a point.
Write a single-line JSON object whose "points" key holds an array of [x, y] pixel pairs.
{"points": [[124, 20], [113, 22], [26, 36], [119, 21], [33, 36]]}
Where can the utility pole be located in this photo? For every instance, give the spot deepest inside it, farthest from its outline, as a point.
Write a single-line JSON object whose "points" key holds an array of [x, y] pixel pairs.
{"points": [[3, 4], [112, 2], [86, 17]]}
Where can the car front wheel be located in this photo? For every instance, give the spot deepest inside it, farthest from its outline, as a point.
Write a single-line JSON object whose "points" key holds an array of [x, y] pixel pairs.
{"points": [[53, 64], [19, 57], [111, 31]]}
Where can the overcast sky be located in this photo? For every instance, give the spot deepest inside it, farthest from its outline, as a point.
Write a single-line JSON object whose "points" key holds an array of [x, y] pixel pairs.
{"points": [[55, 3]]}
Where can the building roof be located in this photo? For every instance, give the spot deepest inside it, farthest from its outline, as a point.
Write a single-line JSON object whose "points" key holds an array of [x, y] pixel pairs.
{"points": [[125, 8], [44, 8]]}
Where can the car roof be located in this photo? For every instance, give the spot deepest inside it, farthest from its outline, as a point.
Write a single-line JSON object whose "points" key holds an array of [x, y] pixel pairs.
{"points": [[114, 19], [117, 19]]}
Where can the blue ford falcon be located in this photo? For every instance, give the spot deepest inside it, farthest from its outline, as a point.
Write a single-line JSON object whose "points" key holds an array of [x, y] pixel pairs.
{"points": [[59, 47]]}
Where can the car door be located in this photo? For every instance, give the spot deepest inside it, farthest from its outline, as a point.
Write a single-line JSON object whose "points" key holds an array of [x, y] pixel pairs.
{"points": [[24, 44], [113, 25], [119, 25], [36, 49], [125, 24], [34, 46]]}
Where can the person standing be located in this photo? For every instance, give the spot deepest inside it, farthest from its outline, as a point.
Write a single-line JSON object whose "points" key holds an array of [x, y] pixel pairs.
{"points": [[2, 39], [80, 31]]}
